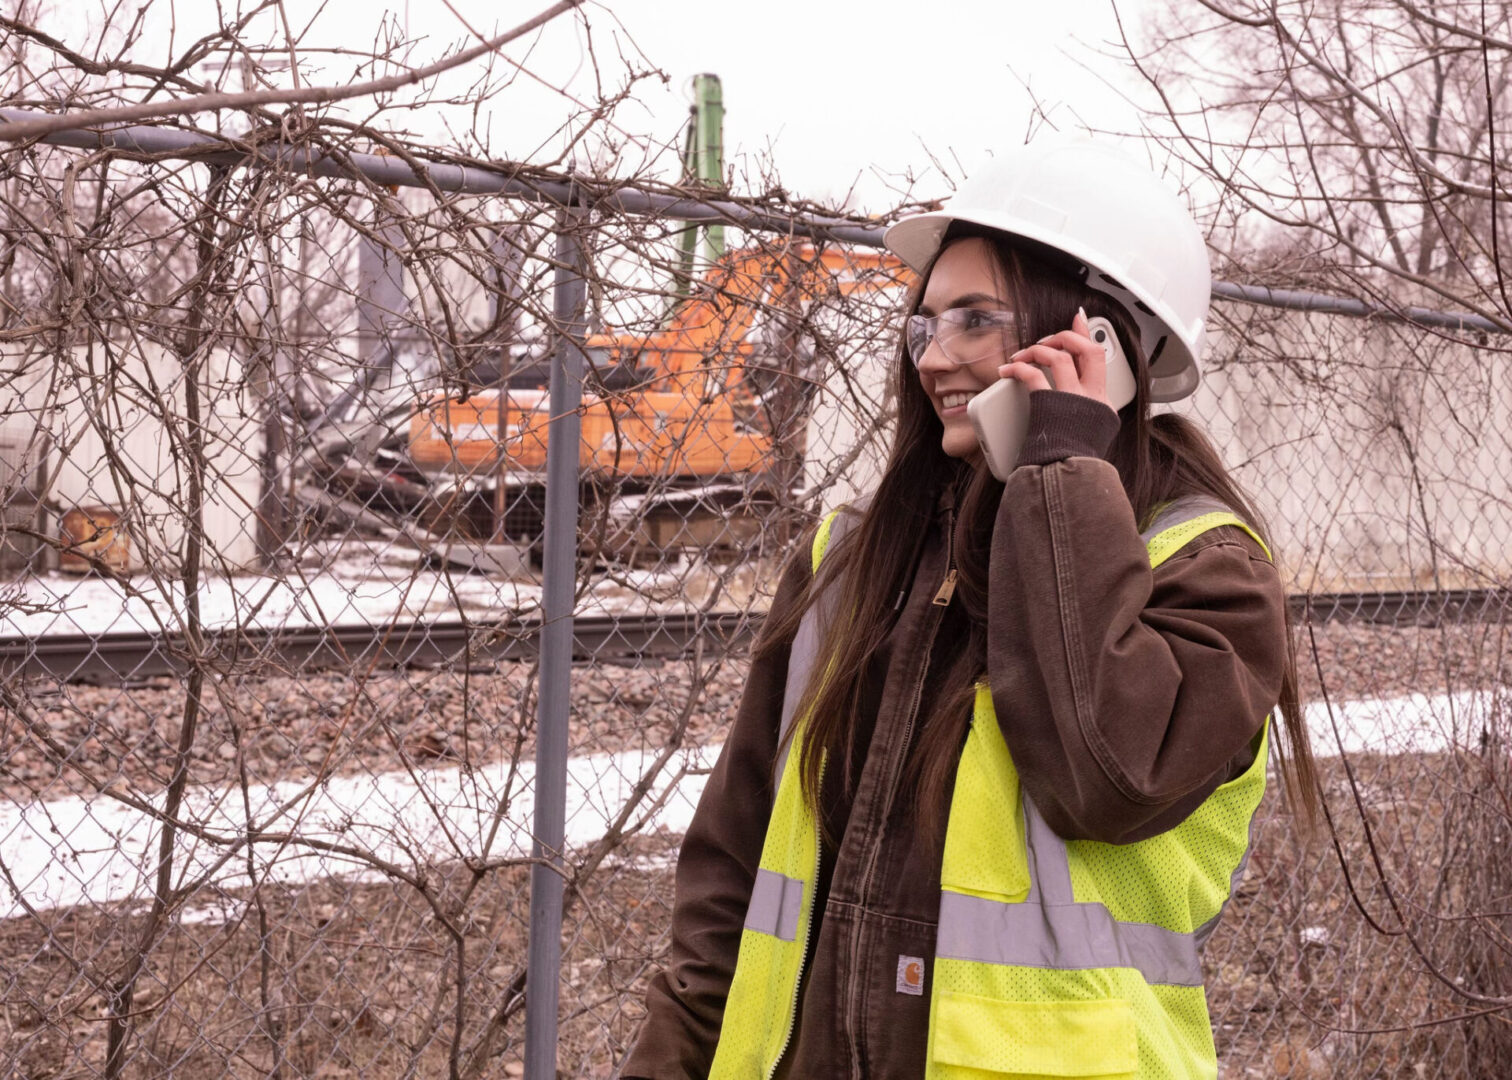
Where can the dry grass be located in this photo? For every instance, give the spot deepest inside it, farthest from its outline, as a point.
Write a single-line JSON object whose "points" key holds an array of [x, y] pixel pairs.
{"points": [[354, 980], [290, 726]]}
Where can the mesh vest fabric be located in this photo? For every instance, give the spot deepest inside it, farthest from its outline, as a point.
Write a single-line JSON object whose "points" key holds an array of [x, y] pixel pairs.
{"points": [[1048, 1016], [1054, 958]]}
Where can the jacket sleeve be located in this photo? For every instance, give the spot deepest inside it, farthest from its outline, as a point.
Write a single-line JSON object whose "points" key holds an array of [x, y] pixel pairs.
{"points": [[715, 871], [1126, 695]]}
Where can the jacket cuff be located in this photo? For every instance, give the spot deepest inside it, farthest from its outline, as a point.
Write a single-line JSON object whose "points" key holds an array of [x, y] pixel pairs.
{"points": [[1064, 425]]}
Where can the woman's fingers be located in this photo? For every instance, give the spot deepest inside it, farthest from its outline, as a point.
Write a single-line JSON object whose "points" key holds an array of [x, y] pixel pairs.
{"points": [[1058, 363], [1031, 375], [1055, 366], [1091, 358], [1076, 362]]}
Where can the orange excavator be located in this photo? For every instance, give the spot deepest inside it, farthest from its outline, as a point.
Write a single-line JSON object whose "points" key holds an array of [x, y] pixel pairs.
{"points": [[688, 431]]}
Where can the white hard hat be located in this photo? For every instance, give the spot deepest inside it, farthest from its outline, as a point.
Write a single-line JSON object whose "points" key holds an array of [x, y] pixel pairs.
{"points": [[1103, 208]]}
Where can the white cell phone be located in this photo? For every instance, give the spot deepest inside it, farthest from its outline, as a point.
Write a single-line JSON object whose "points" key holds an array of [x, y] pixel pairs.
{"points": [[1000, 414]]}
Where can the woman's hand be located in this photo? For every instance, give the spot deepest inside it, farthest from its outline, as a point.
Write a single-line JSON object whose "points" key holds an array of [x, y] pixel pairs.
{"points": [[1076, 363]]}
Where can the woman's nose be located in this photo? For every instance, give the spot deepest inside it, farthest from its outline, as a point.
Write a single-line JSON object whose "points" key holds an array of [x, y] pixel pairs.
{"points": [[934, 361]]}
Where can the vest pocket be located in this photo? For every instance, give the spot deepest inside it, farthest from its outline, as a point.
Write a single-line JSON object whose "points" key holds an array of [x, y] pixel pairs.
{"points": [[1034, 1038]]}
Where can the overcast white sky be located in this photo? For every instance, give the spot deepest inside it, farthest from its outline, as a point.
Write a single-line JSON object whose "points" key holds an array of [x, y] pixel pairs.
{"points": [[840, 97], [842, 93]]}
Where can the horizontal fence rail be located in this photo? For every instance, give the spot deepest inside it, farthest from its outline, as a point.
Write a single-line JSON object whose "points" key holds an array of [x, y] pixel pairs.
{"points": [[156, 142]]}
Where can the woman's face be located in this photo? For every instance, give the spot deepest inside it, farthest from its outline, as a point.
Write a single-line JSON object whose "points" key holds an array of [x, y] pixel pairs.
{"points": [[965, 276]]}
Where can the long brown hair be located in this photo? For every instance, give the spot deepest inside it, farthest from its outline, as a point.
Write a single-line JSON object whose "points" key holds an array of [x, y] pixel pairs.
{"points": [[1158, 458]]}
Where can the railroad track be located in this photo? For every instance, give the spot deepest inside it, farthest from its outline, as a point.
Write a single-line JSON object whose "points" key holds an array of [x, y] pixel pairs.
{"points": [[118, 658], [1423, 607], [132, 657]]}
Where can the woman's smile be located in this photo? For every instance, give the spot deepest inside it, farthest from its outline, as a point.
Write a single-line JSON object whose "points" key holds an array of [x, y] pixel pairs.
{"points": [[957, 400]]}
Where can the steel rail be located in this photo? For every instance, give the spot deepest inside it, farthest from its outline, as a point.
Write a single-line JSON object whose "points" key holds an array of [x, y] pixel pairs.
{"points": [[1420, 607], [125, 658], [132, 657]]}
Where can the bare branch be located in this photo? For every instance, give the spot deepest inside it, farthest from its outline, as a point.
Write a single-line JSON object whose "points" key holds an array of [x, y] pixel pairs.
{"points": [[310, 95]]}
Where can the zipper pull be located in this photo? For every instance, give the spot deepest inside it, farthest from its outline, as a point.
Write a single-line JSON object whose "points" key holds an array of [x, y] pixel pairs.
{"points": [[947, 589]]}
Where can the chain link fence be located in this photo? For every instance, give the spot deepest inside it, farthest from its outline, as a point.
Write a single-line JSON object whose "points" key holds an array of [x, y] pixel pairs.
{"points": [[314, 689], [277, 613]]}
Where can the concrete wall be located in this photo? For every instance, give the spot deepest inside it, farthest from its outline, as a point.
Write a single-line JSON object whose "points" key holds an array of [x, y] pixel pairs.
{"points": [[849, 432], [1381, 456], [119, 438]]}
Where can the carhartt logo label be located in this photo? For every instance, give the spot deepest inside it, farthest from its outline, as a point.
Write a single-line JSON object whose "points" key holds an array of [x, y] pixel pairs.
{"points": [[911, 975]]}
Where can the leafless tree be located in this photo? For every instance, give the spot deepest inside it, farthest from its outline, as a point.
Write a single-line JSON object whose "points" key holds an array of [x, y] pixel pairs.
{"points": [[1357, 140]]}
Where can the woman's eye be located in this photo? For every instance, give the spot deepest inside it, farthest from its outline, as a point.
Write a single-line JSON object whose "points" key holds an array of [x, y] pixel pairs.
{"points": [[977, 320]]}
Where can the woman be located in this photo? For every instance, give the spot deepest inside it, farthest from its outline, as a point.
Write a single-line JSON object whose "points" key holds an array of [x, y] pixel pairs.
{"points": [[993, 836]]}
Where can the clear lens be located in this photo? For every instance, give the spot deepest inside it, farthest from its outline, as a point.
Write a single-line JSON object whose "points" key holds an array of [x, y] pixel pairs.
{"points": [[964, 335], [921, 331]]}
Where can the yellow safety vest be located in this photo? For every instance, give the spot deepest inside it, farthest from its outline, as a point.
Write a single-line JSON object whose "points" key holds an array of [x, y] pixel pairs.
{"points": [[1053, 957]]}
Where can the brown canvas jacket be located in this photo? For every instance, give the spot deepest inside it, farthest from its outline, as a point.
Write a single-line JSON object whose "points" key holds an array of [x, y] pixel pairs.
{"points": [[1125, 695]]}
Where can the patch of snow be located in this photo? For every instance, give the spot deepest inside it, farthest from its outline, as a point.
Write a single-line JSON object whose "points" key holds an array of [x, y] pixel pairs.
{"points": [[347, 592], [70, 851], [340, 596], [1414, 724]]}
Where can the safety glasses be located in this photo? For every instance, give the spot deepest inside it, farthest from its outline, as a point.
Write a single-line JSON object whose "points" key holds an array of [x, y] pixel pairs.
{"points": [[965, 335]]}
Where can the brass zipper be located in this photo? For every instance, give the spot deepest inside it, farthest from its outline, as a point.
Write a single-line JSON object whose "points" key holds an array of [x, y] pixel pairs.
{"points": [[948, 586]]}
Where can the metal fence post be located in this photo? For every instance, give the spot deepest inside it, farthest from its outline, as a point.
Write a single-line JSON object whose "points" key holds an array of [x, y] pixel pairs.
{"points": [[559, 572]]}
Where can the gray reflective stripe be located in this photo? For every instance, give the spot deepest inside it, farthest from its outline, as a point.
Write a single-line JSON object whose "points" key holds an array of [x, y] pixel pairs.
{"points": [[776, 901], [805, 648], [1187, 508], [1050, 929], [1049, 865], [1065, 937], [801, 656]]}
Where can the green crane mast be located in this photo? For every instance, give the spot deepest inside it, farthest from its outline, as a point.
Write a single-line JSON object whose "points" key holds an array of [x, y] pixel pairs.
{"points": [[703, 166]]}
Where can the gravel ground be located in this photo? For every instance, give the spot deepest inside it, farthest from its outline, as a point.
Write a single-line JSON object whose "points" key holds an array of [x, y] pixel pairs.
{"points": [[289, 727], [1359, 660]]}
